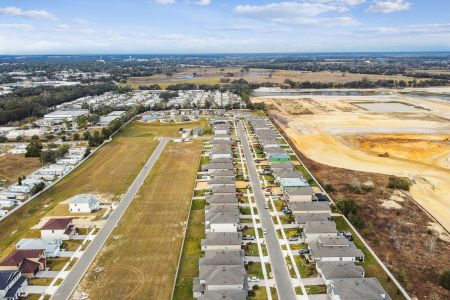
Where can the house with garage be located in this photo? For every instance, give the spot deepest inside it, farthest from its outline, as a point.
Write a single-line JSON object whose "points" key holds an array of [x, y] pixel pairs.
{"points": [[220, 277], [224, 294], [51, 247], [218, 181], [281, 165], [224, 173], [212, 167], [302, 219], [28, 262], [356, 289], [340, 269], [299, 194], [222, 241], [12, 285], [334, 248], [222, 222], [223, 190], [293, 182], [83, 204], [221, 129], [222, 153], [58, 229], [222, 137], [222, 199], [221, 208], [22, 189], [310, 207], [222, 257], [7, 202], [314, 230]]}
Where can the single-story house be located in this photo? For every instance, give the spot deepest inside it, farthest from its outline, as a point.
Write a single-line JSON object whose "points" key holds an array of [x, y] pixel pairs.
{"points": [[218, 181], [221, 160], [212, 167], [12, 284], [84, 204], [222, 222], [223, 137], [278, 157], [341, 269], [29, 262], [222, 199], [302, 219], [356, 289], [224, 294], [310, 207], [7, 203], [58, 229], [222, 153], [23, 189], [223, 190], [3, 212], [222, 257], [214, 278], [221, 129], [316, 229], [334, 248], [299, 194], [293, 182], [224, 173], [222, 208], [51, 247], [222, 241], [281, 165]]}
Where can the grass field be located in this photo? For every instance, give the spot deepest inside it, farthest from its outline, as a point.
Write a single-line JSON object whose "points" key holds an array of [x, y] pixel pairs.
{"points": [[12, 166], [135, 82], [108, 172], [141, 262], [155, 129]]}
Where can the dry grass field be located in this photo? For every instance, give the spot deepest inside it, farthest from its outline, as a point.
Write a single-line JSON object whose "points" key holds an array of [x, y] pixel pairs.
{"points": [[155, 129], [12, 166], [140, 258], [107, 173], [213, 76]]}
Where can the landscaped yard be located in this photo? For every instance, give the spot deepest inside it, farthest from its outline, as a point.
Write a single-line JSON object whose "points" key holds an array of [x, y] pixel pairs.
{"points": [[40, 281], [56, 264], [255, 269], [71, 245], [252, 249], [140, 258]]}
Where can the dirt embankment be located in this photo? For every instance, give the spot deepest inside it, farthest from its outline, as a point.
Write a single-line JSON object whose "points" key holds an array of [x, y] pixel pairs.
{"points": [[395, 227]]}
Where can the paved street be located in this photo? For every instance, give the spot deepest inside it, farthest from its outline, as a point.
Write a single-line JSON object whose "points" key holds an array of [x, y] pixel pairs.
{"points": [[279, 268], [74, 277]]}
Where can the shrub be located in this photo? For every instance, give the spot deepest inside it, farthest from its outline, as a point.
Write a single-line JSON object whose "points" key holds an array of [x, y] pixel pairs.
{"points": [[328, 187], [347, 207], [355, 184], [401, 183], [368, 186], [444, 280]]}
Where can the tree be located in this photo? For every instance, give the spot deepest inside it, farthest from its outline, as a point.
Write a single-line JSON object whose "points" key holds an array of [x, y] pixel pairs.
{"points": [[37, 188], [19, 181], [401, 183], [444, 280], [86, 135], [34, 149], [82, 122], [76, 136]]}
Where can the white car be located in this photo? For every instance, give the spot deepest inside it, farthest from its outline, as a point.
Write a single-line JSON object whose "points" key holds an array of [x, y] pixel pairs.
{"points": [[264, 231], [266, 206], [253, 279]]}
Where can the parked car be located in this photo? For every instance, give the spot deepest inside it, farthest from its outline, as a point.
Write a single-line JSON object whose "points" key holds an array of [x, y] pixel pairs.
{"points": [[303, 251], [348, 235], [248, 238], [206, 177], [293, 238], [266, 206], [286, 211], [264, 231], [253, 279]]}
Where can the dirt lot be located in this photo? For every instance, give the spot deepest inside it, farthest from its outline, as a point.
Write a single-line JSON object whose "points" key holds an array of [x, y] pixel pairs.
{"points": [[400, 236], [218, 75], [14, 165], [108, 172], [417, 143], [139, 260]]}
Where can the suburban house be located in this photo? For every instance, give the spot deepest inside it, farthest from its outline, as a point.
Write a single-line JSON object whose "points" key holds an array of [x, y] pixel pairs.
{"points": [[224, 294], [221, 208], [221, 153], [281, 165], [6, 202], [299, 194], [310, 207], [83, 204], [342, 269], [220, 277], [222, 241], [58, 229], [302, 219], [278, 157], [334, 248], [222, 137], [29, 262], [222, 257], [222, 199], [218, 181], [51, 247], [12, 285], [212, 167], [23, 189], [356, 289], [221, 129], [317, 229], [224, 173], [223, 190], [222, 222], [221, 160], [293, 182]]}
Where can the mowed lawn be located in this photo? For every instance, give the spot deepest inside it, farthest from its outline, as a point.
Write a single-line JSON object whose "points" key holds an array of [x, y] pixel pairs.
{"points": [[108, 172], [14, 165], [156, 129], [140, 258]]}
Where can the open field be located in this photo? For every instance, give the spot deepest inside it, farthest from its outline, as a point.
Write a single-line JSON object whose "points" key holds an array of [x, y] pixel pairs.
{"points": [[400, 232], [13, 165], [140, 258], [107, 174], [336, 132], [211, 75], [157, 129]]}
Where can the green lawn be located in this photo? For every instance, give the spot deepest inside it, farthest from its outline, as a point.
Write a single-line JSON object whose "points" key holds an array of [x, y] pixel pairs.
{"points": [[40, 281], [252, 249], [248, 231], [300, 168], [255, 269], [316, 289], [71, 245], [56, 264]]}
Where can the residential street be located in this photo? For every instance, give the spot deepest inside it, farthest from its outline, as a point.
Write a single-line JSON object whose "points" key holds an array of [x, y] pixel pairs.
{"points": [[279, 269], [74, 277]]}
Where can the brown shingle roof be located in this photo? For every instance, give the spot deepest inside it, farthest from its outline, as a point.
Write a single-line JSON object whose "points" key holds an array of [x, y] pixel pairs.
{"points": [[17, 256], [57, 223]]}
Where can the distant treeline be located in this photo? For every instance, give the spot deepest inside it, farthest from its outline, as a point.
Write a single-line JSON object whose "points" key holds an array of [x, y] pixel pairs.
{"points": [[35, 102], [366, 84]]}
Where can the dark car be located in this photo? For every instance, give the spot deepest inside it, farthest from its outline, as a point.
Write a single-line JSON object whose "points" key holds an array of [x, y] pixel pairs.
{"points": [[303, 251]]}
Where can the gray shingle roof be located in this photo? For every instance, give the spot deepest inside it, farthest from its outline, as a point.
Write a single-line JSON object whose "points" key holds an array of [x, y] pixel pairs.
{"points": [[223, 189], [222, 238], [281, 165], [359, 289], [222, 257], [222, 218], [320, 227], [224, 295], [222, 173], [223, 275], [340, 269], [303, 218], [322, 206], [334, 247], [229, 198], [218, 166], [222, 208], [222, 180]]}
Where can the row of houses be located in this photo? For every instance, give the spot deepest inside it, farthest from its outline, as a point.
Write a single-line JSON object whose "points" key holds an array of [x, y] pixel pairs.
{"points": [[334, 253], [222, 273], [30, 256], [20, 191]]}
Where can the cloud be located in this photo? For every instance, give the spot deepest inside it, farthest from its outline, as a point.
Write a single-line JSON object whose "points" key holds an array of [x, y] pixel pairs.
{"points": [[293, 12], [33, 14], [388, 6], [81, 21], [165, 1], [23, 27], [203, 2], [418, 29]]}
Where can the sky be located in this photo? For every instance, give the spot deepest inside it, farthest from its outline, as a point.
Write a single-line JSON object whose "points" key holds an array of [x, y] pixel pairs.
{"points": [[218, 26]]}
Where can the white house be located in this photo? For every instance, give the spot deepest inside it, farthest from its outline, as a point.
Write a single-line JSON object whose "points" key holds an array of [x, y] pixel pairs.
{"points": [[51, 247], [83, 204], [316, 229], [58, 229], [222, 222], [23, 189]]}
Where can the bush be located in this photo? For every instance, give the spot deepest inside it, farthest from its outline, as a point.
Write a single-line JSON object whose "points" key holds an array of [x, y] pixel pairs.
{"points": [[37, 188], [328, 187], [355, 184], [368, 186], [401, 183], [347, 207], [444, 280]]}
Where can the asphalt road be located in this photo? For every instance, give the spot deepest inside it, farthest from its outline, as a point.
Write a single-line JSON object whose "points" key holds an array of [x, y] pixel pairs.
{"points": [[69, 284], [279, 269]]}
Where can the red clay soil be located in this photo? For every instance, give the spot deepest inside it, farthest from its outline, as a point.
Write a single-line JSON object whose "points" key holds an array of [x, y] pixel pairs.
{"points": [[398, 236]]}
